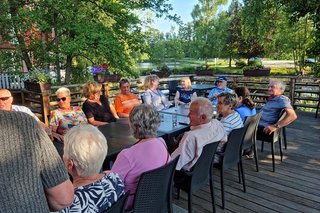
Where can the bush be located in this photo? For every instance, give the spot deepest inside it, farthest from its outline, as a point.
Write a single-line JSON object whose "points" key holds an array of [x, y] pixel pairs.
{"points": [[240, 63], [316, 70], [80, 76], [39, 75], [255, 63]]}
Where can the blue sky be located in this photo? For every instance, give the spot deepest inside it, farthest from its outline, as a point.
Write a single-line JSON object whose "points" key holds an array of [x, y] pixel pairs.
{"points": [[182, 8]]}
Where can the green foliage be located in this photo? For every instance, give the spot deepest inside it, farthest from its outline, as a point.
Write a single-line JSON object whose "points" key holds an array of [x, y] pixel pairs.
{"points": [[254, 63], [316, 70], [39, 76], [240, 63], [80, 76], [99, 31]]}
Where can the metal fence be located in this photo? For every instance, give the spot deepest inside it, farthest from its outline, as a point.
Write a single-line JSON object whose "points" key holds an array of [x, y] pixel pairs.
{"points": [[11, 81]]}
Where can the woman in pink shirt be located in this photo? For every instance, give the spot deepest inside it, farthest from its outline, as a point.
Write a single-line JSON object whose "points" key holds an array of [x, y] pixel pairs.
{"points": [[148, 153]]}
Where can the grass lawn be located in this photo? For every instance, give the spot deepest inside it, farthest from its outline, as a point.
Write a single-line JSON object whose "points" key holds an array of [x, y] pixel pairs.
{"points": [[189, 65]]}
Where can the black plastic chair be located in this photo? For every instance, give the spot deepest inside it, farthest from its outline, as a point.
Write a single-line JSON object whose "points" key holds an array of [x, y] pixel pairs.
{"points": [[154, 190], [230, 158], [276, 136], [118, 207], [191, 181], [250, 136], [172, 88]]}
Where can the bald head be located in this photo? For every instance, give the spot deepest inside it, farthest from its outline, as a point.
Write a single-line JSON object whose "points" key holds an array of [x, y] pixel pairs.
{"points": [[5, 99], [200, 111]]}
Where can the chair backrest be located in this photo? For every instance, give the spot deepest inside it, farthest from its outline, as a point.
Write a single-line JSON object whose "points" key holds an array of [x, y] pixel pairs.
{"points": [[118, 207], [231, 155], [201, 169], [251, 132], [173, 85], [154, 189]]}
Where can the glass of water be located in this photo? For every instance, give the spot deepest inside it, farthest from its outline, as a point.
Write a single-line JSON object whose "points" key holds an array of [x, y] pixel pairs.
{"points": [[174, 119]]}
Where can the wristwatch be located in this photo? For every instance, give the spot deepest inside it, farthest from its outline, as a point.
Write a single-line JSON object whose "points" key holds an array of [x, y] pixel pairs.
{"points": [[277, 126]]}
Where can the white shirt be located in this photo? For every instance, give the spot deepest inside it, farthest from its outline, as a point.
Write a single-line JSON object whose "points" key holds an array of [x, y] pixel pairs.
{"points": [[24, 109], [193, 141]]}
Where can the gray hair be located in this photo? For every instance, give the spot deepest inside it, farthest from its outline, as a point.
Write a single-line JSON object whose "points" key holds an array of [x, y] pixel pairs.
{"points": [[63, 90], [229, 99], [144, 121], [87, 147], [204, 106], [279, 84]]}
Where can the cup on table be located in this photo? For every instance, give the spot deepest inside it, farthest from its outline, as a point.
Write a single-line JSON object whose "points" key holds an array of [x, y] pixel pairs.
{"points": [[214, 113]]}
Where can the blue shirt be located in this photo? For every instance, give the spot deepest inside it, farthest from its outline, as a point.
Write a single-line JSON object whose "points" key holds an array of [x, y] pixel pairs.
{"points": [[245, 111], [271, 110], [185, 95], [215, 91]]}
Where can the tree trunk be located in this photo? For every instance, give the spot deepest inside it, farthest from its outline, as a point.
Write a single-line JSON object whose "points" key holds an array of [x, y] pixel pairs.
{"points": [[56, 43], [22, 46], [230, 59], [68, 69]]}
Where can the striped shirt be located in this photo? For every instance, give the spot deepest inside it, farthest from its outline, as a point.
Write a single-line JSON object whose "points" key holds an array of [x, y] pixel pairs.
{"points": [[232, 121]]}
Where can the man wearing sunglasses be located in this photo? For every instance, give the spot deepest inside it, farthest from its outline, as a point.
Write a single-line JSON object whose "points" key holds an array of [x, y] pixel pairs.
{"points": [[6, 100]]}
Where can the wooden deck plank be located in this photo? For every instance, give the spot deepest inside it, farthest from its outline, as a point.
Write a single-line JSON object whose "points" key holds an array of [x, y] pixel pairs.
{"points": [[293, 187]]}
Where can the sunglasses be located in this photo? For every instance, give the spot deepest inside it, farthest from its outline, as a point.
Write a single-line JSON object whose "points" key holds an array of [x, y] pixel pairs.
{"points": [[4, 98], [63, 99]]}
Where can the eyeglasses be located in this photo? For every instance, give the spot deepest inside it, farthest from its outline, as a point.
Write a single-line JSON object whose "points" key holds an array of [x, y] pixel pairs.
{"points": [[63, 99], [4, 98]]}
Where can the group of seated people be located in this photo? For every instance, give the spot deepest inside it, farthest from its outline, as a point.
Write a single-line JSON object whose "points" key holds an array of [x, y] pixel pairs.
{"points": [[96, 190]]}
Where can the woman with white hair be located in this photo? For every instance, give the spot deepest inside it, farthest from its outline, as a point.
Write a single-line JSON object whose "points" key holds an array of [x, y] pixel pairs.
{"points": [[66, 116], [85, 149], [148, 153]]}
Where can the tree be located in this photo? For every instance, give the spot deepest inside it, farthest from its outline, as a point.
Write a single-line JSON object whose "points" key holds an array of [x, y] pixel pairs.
{"points": [[234, 36], [97, 31], [203, 16]]}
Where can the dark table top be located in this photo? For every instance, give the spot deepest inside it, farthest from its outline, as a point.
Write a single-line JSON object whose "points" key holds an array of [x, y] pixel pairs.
{"points": [[182, 110], [119, 135]]}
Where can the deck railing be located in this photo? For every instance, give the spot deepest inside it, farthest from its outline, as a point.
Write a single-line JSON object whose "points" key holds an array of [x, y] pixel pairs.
{"points": [[303, 92]]}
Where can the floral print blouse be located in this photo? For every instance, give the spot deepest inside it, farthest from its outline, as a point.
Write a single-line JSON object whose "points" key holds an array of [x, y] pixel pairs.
{"points": [[66, 120]]}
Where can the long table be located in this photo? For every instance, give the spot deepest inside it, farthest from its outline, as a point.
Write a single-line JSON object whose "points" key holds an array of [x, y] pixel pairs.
{"points": [[119, 135]]}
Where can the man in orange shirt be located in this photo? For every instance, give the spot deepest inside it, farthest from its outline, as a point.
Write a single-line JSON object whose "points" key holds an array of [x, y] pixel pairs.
{"points": [[125, 100]]}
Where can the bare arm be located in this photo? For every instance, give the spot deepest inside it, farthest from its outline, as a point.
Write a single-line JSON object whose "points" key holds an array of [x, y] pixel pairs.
{"points": [[60, 196], [288, 119], [177, 97], [113, 111], [96, 123], [123, 115]]}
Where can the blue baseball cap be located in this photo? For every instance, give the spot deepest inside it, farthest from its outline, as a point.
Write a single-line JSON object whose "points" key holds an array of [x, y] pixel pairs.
{"points": [[222, 78]]}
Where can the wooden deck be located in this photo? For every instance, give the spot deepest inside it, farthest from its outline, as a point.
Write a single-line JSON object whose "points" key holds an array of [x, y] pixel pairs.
{"points": [[293, 187]]}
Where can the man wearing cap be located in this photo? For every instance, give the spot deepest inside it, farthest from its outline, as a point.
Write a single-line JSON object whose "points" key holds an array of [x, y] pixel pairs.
{"points": [[221, 87]]}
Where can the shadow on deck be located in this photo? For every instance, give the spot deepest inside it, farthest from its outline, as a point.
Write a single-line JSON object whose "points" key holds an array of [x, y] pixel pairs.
{"points": [[293, 187]]}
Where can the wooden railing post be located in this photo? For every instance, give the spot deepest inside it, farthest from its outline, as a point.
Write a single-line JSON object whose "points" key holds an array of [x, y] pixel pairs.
{"points": [[105, 89], [292, 90], [45, 107]]}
